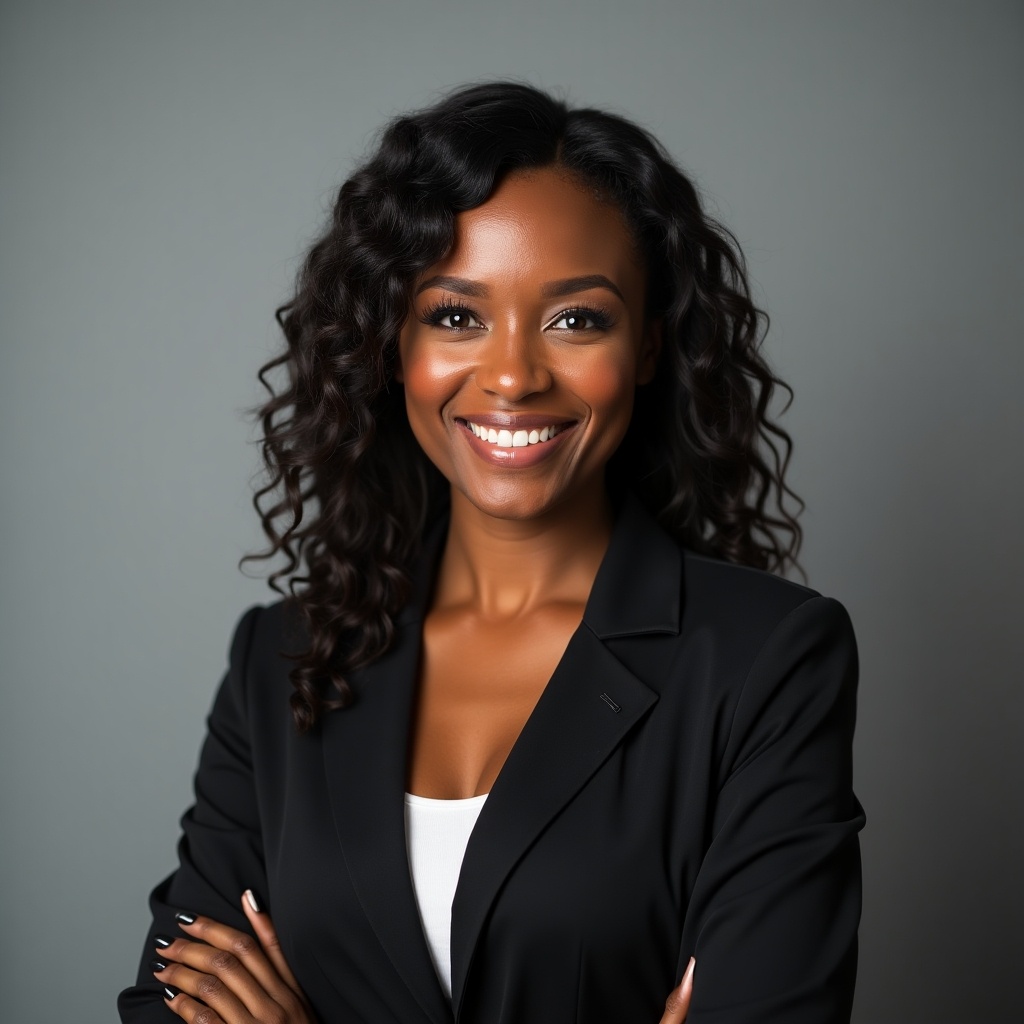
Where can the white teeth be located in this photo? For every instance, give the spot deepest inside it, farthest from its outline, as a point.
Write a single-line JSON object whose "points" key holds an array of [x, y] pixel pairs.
{"points": [[510, 439]]}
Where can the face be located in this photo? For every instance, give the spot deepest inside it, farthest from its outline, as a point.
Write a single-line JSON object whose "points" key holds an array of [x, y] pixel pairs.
{"points": [[524, 346]]}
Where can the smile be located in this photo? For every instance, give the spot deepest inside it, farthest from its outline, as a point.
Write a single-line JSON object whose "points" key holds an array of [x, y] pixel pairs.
{"points": [[516, 438]]}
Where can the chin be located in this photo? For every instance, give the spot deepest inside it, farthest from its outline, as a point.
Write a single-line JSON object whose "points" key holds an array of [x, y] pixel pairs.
{"points": [[512, 502]]}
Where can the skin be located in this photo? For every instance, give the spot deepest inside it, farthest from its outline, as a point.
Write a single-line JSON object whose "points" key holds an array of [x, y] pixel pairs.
{"points": [[524, 542]]}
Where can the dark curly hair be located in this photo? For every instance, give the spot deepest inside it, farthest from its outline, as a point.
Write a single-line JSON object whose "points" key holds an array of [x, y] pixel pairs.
{"points": [[350, 491]]}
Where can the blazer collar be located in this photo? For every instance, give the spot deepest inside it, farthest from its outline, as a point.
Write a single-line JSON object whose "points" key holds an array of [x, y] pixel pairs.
{"points": [[638, 587], [588, 706]]}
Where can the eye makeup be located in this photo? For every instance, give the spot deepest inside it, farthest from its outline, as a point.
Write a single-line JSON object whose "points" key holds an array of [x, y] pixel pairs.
{"points": [[601, 320]]}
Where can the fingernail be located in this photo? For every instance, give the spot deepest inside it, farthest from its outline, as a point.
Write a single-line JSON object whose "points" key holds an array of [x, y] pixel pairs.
{"points": [[170, 993], [689, 971], [162, 941], [185, 917], [157, 965], [250, 897]]}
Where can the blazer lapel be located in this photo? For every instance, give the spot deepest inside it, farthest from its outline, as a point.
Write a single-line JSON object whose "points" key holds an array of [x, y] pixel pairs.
{"points": [[587, 708], [589, 705], [365, 754]]}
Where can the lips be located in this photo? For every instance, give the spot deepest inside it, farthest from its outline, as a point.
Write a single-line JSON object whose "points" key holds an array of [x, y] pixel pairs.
{"points": [[519, 447]]}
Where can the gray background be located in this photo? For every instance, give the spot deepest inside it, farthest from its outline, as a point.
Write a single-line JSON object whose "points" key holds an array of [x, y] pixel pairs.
{"points": [[163, 166]]}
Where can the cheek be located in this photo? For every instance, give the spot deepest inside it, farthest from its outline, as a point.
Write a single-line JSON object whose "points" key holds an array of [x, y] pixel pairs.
{"points": [[428, 379], [431, 379], [421, 381], [608, 386]]}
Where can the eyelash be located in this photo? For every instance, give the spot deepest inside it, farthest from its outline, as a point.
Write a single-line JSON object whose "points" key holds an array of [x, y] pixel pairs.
{"points": [[434, 314]]}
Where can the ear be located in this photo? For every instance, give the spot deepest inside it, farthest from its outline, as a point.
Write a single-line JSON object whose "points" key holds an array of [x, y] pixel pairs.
{"points": [[650, 348]]}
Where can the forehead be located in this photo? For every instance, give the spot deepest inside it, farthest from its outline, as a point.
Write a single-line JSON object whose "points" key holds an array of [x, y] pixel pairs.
{"points": [[542, 224]]}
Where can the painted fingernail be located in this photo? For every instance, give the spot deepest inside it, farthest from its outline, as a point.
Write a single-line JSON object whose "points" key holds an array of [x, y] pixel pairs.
{"points": [[170, 993], [162, 941], [157, 965], [252, 901], [184, 917], [689, 971]]}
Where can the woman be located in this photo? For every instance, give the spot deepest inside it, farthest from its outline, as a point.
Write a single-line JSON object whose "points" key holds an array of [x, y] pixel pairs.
{"points": [[557, 746]]}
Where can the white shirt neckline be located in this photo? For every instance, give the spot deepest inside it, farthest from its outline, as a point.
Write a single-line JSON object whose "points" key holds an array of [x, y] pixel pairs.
{"points": [[437, 832], [433, 801]]}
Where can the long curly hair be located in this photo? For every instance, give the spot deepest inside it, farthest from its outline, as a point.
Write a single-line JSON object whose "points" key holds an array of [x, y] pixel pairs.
{"points": [[349, 491]]}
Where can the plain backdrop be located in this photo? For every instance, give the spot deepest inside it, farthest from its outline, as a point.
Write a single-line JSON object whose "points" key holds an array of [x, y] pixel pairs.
{"points": [[163, 167]]}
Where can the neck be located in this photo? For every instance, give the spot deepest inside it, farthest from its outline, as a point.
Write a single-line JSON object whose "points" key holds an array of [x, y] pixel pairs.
{"points": [[508, 568]]}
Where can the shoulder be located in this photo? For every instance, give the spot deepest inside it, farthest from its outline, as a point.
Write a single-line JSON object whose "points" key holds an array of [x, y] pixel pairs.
{"points": [[692, 622], [273, 630], [262, 640], [746, 629], [758, 656], [712, 576], [746, 605], [265, 633]]}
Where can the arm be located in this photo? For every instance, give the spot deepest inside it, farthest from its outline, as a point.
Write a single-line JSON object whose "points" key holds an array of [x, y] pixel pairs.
{"points": [[220, 852], [773, 917]]}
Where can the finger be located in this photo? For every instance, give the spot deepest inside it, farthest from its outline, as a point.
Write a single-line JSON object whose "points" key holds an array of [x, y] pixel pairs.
{"points": [[267, 934], [190, 1009], [213, 976], [244, 959], [677, 1006]]}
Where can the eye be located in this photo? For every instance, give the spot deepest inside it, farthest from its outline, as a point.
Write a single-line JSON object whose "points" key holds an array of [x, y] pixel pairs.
{"points": [[458, 320], [582, 319], [451, 316]]}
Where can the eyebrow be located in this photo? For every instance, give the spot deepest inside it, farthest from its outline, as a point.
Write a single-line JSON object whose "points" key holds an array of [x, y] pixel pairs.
{"points": [[550, 290]]}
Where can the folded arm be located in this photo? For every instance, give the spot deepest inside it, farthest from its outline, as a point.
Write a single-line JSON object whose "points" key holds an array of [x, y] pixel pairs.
{"points": [[220, 852], [772, 920]]}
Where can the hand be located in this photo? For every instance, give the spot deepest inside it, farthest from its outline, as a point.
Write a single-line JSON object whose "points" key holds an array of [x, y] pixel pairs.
{"points": [[227, 977], [677, 1006]]}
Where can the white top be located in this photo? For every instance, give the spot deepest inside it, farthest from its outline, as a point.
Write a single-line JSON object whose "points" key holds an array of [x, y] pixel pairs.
{"points": [[436, 835]]}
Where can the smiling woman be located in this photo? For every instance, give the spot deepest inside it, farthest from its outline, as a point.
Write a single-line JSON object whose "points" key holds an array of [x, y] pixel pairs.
{"points": [[535, 733]]}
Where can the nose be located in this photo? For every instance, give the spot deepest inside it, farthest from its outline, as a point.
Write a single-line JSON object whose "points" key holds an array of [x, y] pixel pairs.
{"points": [[513, 364]]}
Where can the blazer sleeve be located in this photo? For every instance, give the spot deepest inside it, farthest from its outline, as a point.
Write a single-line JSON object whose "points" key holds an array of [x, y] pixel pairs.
{"points": [[773, 917], [220, 852]]}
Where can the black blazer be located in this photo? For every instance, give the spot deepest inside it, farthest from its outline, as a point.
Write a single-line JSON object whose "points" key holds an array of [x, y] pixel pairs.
{"points": [[682, 787]]}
